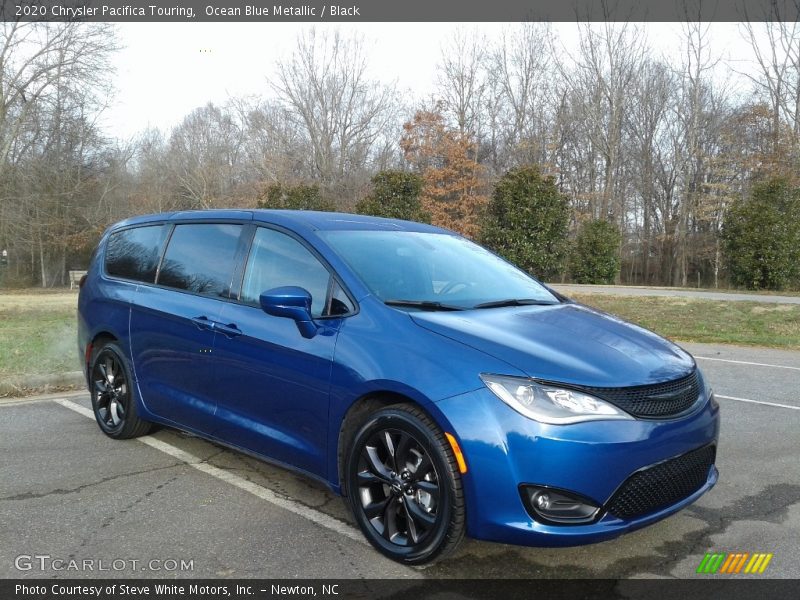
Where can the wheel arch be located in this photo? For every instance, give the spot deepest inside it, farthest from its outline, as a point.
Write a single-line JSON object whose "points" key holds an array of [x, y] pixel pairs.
{"points": [[99, 339], [103, 337], [362, 406]]}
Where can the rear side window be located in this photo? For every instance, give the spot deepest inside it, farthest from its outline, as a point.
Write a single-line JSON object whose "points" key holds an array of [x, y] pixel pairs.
{"points": [[200, 258], [134, 253], [278, 260]]}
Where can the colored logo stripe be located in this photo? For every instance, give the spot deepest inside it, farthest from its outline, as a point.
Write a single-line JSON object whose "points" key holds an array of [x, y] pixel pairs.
{"points": [[758, 563], [711, 563], [732, 563]]}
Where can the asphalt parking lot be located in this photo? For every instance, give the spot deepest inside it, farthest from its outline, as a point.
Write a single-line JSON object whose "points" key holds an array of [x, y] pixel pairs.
{"points": [[68, 492]]}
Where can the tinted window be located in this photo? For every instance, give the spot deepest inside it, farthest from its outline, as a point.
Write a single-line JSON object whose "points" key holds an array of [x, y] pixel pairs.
{"points": [[200, 258], [134, 253], [278, 260]]}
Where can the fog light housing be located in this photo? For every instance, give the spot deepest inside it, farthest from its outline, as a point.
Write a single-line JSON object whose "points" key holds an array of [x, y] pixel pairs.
{"points": [[556, 506]]}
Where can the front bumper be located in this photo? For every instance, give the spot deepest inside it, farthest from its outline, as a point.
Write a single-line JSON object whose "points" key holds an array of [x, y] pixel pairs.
{"points": [[504, 450]]}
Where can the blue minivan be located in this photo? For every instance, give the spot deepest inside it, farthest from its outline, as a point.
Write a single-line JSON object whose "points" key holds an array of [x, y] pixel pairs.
{"points": [[437, 387]]}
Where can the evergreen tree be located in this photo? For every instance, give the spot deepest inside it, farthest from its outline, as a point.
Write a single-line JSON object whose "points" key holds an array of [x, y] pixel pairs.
{"points": [[396, 195], [298, 197], [761, 237], [526, 222], [595, 255]]}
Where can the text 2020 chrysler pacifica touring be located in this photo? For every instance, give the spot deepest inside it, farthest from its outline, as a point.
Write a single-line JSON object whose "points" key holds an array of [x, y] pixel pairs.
{"points": [[442, 390]]}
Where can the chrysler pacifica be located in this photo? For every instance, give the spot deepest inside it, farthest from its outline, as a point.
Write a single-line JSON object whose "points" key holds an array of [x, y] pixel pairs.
{"points": [[443, 391]]}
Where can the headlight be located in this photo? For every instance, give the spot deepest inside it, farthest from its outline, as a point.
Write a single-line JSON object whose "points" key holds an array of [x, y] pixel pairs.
{"points": [[550, 404]]}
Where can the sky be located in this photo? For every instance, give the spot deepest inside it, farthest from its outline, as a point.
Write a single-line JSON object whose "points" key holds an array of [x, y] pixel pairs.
{"points": [[165, 70]]}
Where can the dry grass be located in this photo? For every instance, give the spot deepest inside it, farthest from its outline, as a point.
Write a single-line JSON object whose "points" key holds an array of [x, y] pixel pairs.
{"points": [[33, 298], [38, 333], [709, 321]]}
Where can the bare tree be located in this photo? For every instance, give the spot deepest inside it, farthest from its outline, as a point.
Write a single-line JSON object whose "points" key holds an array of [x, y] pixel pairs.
{"points": [[461, 79], [152, 190], [692, 112], [53, 85], [611, 55], [647, 125], [776, 51], [522, 70], [326, 89], [35, 58], [205, 156], [275, 149]]}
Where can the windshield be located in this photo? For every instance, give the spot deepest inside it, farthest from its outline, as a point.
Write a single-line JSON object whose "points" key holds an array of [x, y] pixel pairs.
{"points": [[434, 270]]}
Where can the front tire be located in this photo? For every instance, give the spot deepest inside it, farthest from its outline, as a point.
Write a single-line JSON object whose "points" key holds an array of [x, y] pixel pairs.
{"points": [[112, 395], [404, 486]]}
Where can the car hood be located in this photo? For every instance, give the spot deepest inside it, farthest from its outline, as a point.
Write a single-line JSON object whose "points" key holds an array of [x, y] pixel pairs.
{"points": [[570, 343]]}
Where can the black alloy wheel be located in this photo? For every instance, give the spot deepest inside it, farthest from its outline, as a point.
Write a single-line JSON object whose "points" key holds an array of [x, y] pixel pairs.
{"points": [[404, 486], [112, 402]]}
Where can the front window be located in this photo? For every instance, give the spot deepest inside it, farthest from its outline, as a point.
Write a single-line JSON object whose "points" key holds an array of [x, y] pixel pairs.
{"points": [[278, 260], [434, 270]]}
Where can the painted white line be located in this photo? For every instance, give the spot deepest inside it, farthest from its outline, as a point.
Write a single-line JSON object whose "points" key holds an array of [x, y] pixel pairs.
{"points": [[189, 459], [758, 402], [81, 410], [743, 362], [235, 480]]}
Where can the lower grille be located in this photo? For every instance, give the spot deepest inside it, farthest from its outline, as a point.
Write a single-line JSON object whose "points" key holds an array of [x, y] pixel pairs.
{"points": [[663, 484], [658, 401]]}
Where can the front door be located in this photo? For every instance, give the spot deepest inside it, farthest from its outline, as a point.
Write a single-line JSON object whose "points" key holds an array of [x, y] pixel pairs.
{"points": [[272, 383]]}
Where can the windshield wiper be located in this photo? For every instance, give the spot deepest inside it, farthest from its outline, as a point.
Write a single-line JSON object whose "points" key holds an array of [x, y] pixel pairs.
{"points": [[423, 304], [514, 302]]}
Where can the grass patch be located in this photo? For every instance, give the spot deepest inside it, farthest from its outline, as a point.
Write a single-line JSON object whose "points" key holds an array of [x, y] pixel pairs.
{"points": [[38, 334], [707, 321]]}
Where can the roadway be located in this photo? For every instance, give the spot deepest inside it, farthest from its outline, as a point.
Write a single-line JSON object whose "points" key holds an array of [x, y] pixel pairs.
{"points": [[69, 492], [631, 290]]}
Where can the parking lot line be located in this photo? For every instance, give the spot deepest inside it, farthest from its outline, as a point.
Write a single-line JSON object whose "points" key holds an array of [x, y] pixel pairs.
{"points": [[744, 362], [81, 410], [243, 484], [758, 402]]}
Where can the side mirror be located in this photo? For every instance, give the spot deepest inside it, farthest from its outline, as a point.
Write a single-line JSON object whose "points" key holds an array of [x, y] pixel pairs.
{"points": [[291, 302]]}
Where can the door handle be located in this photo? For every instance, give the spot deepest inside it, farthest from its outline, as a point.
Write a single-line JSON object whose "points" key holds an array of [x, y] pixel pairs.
{"points": [[230, 330], [203, 322]]}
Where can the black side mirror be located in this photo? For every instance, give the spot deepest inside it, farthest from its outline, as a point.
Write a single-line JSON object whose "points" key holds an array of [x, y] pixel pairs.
{"points": [[291, 302]]}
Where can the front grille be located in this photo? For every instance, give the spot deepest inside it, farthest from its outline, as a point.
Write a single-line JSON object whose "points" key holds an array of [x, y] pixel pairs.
{"points": [[653, 401], [663, 484]]}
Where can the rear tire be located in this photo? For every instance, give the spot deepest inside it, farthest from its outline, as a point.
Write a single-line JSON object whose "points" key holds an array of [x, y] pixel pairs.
{"points": [[113, 404], [404, 486]]}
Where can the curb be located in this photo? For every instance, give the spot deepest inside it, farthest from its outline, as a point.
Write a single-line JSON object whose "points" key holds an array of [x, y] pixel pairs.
{"points": [[28, 384]]}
